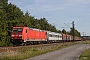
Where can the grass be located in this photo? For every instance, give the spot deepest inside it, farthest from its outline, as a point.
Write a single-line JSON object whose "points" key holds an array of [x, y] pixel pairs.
{"points": [[85, 54], [28, 52], [86, 42]]}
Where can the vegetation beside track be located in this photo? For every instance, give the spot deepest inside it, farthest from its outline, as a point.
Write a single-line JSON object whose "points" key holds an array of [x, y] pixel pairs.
{"points": [[27, 52], [85, 54]]}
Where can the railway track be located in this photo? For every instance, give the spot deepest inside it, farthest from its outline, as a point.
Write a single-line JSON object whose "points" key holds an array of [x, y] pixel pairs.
{"points": [[16, 48]]}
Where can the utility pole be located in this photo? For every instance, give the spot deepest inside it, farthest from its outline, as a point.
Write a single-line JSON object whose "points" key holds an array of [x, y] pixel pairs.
{"points": [[73, 29], [73, 34]]}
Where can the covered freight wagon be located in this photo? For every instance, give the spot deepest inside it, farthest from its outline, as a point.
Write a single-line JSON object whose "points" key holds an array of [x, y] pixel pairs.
{"points": [[54, 37], [64, 37]]}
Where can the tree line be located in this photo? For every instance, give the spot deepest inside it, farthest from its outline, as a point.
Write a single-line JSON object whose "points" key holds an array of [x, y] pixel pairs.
{"points": [[11, 15]]}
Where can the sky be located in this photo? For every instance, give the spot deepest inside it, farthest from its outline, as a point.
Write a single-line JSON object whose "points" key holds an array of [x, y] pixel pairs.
{"points": [[60, 13]]}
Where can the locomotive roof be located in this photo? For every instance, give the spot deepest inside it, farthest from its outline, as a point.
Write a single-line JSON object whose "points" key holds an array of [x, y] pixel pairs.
{"points": [[36, 29]]}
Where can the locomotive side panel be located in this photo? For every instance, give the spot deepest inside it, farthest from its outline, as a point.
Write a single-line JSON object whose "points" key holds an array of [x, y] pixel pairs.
{"points": [[35, 35]]}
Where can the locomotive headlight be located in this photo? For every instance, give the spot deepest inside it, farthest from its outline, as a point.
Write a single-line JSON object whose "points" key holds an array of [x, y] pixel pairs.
{"points": [[12, 35], [20, 35]]}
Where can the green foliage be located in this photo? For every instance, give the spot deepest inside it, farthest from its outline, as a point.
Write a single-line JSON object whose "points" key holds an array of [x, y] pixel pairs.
{"points": [[59, 31], [85, 55], [76, 33], [9, 15], [64, 31]]}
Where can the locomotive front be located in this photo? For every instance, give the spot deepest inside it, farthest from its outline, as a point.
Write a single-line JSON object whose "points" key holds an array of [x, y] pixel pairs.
{"points": [[16, 35]]}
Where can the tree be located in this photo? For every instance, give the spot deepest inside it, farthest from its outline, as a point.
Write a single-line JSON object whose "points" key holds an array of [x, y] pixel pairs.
{"points": [[59, 31], [3, 23], [9, 16], [64, 31], [76, 33]]}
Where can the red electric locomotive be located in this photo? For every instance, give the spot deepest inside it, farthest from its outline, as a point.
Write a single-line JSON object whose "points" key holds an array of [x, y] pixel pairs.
{"points": [[25, 34]]}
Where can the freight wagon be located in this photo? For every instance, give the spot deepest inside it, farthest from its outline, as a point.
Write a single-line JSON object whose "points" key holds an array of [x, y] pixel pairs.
{"points": [[54, 37]]}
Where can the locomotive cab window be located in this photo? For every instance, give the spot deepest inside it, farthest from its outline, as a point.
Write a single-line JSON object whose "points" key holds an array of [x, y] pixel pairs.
{"points": [[17, 30]]}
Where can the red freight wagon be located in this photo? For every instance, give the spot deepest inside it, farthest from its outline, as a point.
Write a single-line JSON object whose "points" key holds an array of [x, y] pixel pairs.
{"points": [[71, 38], [25, 34], [77, 38], [68, 37], [64, 37]]}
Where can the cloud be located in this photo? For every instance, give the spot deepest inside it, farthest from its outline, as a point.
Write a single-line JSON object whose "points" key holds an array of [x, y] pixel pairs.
{"points": [[52, 8], [79, 1], [40, 1]]}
